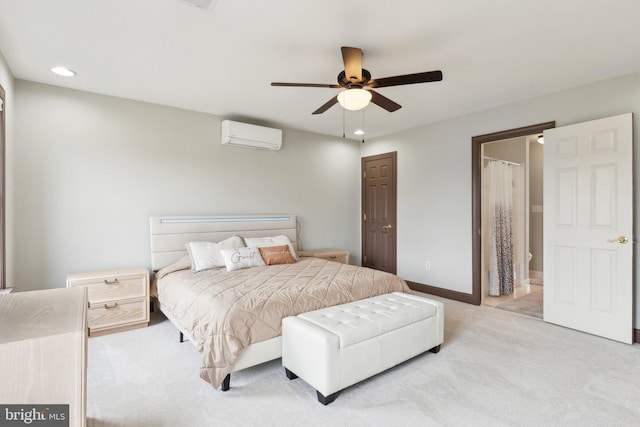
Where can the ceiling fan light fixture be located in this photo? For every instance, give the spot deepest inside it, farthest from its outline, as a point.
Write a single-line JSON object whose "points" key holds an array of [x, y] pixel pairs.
{"points": [[354, 99]]}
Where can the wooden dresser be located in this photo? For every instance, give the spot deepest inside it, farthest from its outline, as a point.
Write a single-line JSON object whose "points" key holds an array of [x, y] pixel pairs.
{"points": [[336, 255], [43, 349], [118, 298]]}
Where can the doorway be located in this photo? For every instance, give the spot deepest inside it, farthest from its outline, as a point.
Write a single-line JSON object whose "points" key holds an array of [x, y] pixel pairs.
{"points": [[379, 188], [511, 223], [528, 134]]}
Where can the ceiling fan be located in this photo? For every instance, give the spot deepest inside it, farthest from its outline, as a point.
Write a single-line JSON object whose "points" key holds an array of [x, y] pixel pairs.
{"points": [[355, 79]]}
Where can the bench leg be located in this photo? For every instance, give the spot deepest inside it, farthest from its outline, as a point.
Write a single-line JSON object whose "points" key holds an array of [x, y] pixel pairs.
{"points": [[325, 400], [435, 349], [290, 374], [225, 383]]}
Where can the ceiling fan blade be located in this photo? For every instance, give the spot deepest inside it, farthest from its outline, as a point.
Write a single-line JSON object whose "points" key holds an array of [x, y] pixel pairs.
{"points": [[352, 58], [407, 79], [330, 103], [384, 102], [305, 85]]}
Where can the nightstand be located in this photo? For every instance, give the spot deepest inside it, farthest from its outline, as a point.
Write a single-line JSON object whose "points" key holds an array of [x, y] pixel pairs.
{"points": [[118, 298], [336, 255]]}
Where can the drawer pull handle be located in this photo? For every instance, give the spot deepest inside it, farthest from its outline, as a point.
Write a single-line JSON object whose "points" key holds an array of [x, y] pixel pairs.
{"points": [[332, 256], [111, 282], [107, 306]]}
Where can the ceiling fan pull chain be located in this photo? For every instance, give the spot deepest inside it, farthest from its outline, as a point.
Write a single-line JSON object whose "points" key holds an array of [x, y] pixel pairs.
{"points": [[363, 125], [343, 127]]}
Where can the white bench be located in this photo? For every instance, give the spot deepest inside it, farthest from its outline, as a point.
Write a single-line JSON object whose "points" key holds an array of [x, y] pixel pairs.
{"points": [[335, 347]]}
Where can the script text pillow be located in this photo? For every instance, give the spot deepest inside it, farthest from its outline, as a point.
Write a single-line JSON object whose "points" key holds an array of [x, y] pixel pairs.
{"points": [[236, 259]]}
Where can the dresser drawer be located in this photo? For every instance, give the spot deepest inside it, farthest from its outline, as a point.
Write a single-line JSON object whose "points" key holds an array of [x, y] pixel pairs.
{"points": [[117, 313]]}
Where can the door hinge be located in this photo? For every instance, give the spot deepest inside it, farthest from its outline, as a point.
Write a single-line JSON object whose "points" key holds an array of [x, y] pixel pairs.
{"points": [[364, 174], [365, 217], [364, 258]]}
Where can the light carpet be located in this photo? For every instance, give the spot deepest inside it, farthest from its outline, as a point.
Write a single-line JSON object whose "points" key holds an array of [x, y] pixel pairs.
{"points": [[495, 369], [527, 305]]}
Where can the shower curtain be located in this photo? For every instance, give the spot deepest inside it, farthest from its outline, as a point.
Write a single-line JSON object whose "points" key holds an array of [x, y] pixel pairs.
{"points": [[499, 181]]}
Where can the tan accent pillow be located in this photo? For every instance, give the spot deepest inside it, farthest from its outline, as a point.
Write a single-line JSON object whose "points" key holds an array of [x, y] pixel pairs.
{"points": [[272, 255], [261, 242]]}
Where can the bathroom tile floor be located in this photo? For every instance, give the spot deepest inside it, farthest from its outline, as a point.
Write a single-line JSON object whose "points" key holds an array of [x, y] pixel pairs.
{"points": [[518, 291]]}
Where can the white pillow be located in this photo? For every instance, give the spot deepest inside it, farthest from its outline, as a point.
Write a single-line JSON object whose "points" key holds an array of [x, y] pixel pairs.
{"points": [[206, 255], [262, 242], [238, 258]]}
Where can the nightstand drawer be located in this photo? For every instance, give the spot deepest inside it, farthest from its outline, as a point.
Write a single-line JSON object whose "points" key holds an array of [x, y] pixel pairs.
{"points": [[116, 313], [116, 288], [335, 255]]}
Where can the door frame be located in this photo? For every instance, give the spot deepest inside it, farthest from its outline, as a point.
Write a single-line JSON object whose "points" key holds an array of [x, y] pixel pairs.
{"points": [[476, 195], [394, 159], [3, 163]]}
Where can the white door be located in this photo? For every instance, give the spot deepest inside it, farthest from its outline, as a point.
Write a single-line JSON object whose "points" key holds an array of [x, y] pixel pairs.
{"points": [[588, 227]]}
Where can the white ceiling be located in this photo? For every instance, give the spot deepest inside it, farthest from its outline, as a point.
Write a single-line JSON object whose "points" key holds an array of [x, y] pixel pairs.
{"points": [[222, 61]]}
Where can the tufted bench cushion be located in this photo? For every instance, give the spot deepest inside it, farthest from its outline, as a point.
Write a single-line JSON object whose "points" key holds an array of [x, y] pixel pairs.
{"points": [[335, 347]]}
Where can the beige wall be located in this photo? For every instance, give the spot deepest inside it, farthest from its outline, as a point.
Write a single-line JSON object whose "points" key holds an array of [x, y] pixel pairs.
{"points": [[434, 175], [90, 170], [512, 150], [536, 164]]}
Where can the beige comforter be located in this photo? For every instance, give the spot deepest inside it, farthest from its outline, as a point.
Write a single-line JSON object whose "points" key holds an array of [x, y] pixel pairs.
{"points": [[226, 311]]}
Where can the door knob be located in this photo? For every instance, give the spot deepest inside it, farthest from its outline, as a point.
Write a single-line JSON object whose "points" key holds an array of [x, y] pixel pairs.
{"points": [[387, 227], [620, 239]]}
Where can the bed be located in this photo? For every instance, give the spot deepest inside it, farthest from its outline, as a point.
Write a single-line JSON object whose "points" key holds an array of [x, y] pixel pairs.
{"points": [[234, 317]]}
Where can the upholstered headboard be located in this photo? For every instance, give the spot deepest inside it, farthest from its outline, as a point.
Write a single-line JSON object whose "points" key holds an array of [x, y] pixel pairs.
{"points": [[170, 233]]}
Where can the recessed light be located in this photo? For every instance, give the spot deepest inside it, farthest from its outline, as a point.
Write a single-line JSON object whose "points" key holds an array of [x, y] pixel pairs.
{"points": [[63, 71], [359, 132]]}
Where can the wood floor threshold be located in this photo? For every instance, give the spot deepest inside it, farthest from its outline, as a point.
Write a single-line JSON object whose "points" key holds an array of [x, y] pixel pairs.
{"points": [[439, 292]]}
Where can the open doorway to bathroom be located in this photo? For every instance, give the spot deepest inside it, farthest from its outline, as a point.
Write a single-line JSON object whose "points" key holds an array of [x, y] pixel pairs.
{"points": [[511, 251], [508, 258]]}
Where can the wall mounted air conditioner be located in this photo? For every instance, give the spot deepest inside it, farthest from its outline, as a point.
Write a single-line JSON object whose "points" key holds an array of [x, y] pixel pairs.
{"points": [[250, 136]]}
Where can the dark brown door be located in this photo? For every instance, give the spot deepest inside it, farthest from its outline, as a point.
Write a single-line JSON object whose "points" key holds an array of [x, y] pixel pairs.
{"points": [[379, 212]]}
